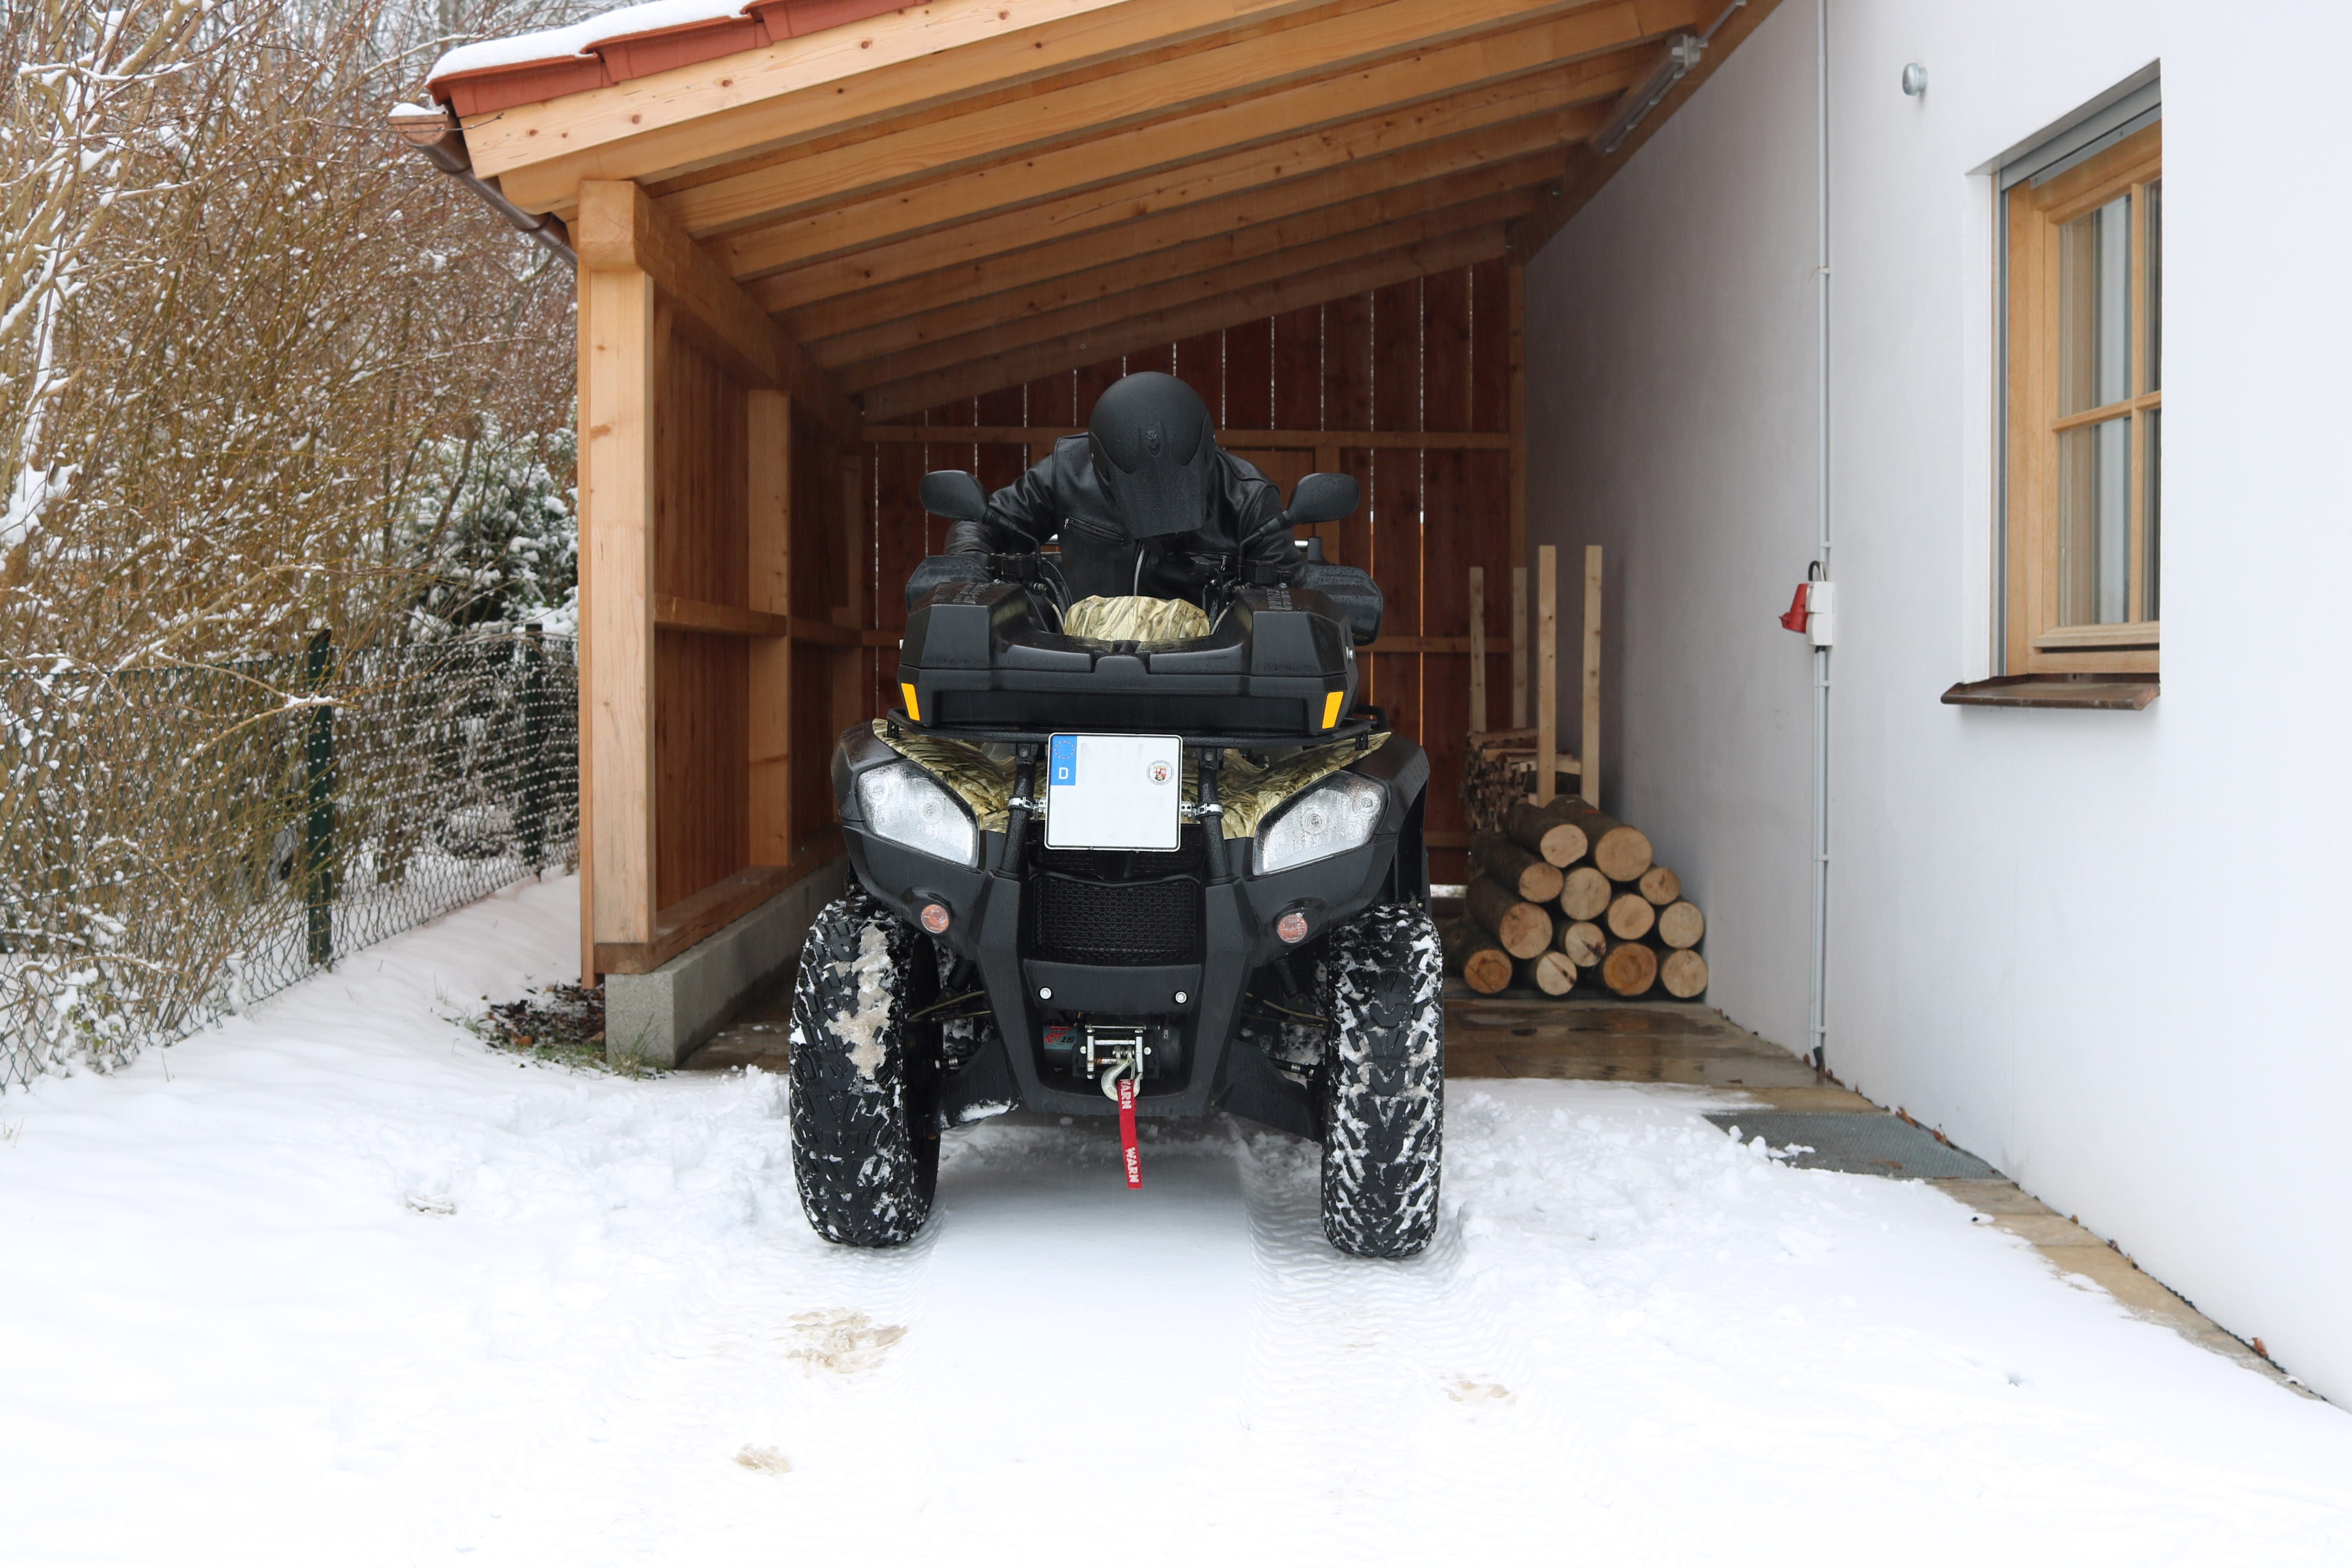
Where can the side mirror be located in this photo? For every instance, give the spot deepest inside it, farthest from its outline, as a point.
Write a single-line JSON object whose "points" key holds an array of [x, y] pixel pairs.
{"points": [[955, 495], [1319, 498]]}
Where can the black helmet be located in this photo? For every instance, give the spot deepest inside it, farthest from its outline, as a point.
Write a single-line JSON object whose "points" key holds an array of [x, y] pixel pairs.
{"points": [[1155, 453]]}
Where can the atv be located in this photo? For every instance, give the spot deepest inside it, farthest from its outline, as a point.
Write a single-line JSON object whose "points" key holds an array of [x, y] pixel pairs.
{"points": [[1123, 858]]}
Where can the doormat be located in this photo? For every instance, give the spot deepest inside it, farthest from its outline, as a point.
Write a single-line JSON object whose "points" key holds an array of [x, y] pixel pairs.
{"points": [[1861, 1143]]}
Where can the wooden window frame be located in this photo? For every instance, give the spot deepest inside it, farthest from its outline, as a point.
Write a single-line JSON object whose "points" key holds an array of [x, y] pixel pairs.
{"points": [[2032, 644]]}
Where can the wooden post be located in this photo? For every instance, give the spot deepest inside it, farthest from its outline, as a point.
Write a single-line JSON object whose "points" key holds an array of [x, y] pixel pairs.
{"points": [[1477, 650], [1588, 754], [1518, 648], [617, 328], [1547, 671], [768, 589]]}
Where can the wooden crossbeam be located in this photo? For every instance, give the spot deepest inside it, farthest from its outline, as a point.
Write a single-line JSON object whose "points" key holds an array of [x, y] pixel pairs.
{"points": [[1154, 291], [1129, 173], [1165, 108], [922, 59], [1027, 363], [931, 310], [618, 226], [1236, 438], [1000, 254]]}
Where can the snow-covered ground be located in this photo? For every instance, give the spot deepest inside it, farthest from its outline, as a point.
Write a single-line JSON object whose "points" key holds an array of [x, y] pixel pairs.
{"points": [[335, 1284]]}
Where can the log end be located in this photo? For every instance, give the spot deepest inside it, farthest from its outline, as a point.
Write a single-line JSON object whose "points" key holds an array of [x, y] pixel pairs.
{"points": [[1631, 916], [1684, 974], [1631, 969]]}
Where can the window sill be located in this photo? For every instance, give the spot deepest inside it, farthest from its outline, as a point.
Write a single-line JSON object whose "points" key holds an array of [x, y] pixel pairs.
{"points": [[2126, 693]]}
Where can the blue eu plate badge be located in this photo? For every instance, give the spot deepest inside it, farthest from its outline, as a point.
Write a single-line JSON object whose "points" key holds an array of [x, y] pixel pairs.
{"points": [[1114, 792]]}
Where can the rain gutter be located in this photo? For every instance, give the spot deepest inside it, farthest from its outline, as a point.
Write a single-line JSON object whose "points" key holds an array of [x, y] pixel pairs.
{"points": [[438, 135]]}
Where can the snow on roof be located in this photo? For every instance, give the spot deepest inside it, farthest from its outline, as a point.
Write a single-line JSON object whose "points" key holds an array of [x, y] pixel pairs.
{"points": [[630, 41]]}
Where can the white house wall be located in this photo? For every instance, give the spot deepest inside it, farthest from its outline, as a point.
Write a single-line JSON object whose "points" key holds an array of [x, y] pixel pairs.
{"points": [[2098, 949]]}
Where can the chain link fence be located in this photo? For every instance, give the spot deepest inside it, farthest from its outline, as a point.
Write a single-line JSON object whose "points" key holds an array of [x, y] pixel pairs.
{"points": [[176, 843]]}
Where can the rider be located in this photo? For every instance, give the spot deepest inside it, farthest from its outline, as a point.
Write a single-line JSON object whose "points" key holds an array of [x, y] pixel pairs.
{"points": [[1135, 498]]}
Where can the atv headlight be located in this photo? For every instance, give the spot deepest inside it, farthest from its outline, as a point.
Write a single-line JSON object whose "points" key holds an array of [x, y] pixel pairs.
{"points": [[907, 806], [1337, 815]]}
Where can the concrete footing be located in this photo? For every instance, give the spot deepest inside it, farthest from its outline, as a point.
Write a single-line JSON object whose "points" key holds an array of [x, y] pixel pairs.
{"points": [[656, 1019]]}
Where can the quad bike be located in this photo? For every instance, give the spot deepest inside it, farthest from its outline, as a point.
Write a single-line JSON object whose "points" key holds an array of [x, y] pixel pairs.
{"points": [[1127, 857]]}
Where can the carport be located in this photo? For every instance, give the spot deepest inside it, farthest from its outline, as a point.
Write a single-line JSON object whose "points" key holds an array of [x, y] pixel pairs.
{"points": [[825, 246]]}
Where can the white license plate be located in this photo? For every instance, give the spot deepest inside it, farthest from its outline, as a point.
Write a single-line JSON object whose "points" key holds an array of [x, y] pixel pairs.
{"points": [[1114, 792]]}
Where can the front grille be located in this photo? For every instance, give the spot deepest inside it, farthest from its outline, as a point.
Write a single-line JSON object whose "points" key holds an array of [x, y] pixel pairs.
{"points": [[1075, 920]]}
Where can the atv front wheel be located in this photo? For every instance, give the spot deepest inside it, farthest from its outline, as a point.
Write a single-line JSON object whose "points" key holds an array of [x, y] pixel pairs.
{"points": [[1383, 1081], [865, 1138]]}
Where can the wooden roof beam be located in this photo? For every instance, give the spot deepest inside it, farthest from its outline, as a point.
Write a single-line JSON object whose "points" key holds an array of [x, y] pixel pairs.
{"points": [[1191, 88], [618, 225], [1106, 260], [1154, 292], [1130, 261], [863, 226], [1419, 260], [1415, 98], [838, 78]]}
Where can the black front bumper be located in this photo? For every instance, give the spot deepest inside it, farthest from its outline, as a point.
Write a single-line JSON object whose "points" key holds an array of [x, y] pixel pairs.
{"points": [[1238, 913]]}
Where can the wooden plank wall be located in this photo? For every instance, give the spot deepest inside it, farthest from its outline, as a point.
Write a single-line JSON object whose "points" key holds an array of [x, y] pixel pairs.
{"points": [[1426, 356], [700, 680]]}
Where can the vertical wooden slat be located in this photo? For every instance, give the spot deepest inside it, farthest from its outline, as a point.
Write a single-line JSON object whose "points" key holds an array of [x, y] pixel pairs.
{"points": [[1547, 671], [1589, 746], [1478, 649], [853, 682], [1249, 377], [1200, 364], [1518, 645], [768, 577], [616, 514], [1298, 370], [1516, 413], [1396, 391]]}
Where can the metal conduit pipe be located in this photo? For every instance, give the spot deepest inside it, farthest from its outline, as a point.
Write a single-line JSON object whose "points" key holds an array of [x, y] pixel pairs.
{"points": [[443, 143], [1821, 944]]}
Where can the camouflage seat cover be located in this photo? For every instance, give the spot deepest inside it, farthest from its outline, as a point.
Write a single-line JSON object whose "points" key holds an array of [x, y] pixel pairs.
{"points": [[1136, 619], [1248, 792]]}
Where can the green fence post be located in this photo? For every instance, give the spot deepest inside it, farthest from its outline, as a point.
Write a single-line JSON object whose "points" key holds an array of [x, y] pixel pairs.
{"points": [[319, 834], [535, 749]]}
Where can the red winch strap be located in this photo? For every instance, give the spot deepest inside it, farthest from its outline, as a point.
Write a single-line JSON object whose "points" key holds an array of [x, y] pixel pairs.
{"points": [[1134, 1156]]}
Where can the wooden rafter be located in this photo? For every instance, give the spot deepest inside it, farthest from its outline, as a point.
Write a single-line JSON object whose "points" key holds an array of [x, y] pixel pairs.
{"points": [[1106, 261], [939, 55], [1331, 67], [1542, 105], [1004, 252], [1158, 289], [1417, 260], [1205, 155]]}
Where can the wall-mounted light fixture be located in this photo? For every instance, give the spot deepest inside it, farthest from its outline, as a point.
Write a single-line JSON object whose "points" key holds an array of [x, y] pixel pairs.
{"points": [[1681, 56], [1914, 80]]}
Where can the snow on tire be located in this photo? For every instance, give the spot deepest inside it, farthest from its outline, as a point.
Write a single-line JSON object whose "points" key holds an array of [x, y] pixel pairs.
{"points": [[866, 1140], [1383, 1082]]}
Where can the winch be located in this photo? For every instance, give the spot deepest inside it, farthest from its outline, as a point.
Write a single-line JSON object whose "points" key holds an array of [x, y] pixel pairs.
{"points": [[1092, 1050]]}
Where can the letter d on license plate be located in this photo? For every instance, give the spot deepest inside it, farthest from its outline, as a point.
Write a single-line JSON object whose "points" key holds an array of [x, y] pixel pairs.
{"points": [[1114, 792]]}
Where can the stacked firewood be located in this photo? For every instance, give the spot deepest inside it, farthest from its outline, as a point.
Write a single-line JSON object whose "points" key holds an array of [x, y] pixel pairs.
{"points": [[1564, 894]]}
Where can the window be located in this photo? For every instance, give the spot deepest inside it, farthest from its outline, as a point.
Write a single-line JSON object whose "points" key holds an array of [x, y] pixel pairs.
{"points": [[2081, 579]]}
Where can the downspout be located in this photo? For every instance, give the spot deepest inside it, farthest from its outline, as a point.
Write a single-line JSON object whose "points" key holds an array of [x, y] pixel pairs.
{"points": [[1820, 954], [438, 135]]}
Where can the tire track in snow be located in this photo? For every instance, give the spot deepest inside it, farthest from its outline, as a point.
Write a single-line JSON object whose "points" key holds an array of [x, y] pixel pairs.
{"points": [[1388, 1415]]}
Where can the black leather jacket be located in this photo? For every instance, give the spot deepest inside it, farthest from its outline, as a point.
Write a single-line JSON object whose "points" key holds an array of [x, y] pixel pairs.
{"points": [[1061, 497]]}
